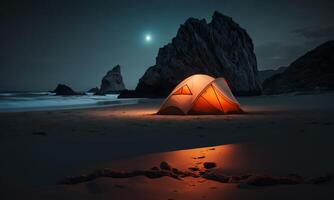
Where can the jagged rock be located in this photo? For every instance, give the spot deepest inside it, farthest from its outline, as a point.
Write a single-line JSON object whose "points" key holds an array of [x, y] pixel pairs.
{"points": [[311, 72], [112, 82], [219, 48], [94, 90], [65, 90], [264, 74]]}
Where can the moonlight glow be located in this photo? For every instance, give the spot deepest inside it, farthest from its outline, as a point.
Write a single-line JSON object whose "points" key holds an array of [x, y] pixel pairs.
{"points": [[148, 38]]}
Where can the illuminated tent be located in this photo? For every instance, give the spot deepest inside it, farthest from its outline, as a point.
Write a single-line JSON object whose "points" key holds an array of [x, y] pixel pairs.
{"points": [[200, 94]]}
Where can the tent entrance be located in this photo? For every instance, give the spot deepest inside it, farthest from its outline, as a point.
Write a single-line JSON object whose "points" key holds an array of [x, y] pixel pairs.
{"points": [[207, 103]]}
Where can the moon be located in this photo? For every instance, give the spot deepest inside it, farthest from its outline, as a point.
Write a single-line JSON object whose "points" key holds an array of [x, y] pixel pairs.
{"points": [[148, 38]]}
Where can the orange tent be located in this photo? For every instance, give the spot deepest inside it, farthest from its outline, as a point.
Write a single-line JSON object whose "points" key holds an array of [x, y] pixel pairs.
{"points": [[200, 94]]}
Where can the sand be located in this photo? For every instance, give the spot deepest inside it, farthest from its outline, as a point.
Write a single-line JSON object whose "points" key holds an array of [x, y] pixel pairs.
{"points": [[277, 135]]}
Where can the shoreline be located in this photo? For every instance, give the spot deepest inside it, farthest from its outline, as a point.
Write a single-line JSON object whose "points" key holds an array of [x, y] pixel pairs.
{"points": [[28, 102]]}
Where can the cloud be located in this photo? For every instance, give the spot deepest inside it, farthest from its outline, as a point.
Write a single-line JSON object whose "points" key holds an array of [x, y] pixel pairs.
{"points": [[315, 32]]}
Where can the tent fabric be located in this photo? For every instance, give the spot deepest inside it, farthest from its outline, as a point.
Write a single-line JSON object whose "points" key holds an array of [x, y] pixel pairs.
{"points": [[200, 94], [183, 91]]}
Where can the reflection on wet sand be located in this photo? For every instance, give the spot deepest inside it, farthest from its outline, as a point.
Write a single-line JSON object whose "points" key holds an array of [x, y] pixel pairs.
{"points": [[249, 158], [240, 163]]}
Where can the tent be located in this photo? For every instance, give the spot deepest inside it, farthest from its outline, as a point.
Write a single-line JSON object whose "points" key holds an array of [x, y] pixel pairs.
{"points": [[200, 94]]}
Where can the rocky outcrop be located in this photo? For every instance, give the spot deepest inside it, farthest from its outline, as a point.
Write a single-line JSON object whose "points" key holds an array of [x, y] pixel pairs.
{"points": [[312, 72], [264, 74], [65, 90], [112, 82], [93, 90], [220, 48]]}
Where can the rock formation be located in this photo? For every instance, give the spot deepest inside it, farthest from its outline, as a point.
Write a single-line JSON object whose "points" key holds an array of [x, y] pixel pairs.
{"points": [[112, 82], [65, 90], [93, 90], [219, 48], [313, 71]]}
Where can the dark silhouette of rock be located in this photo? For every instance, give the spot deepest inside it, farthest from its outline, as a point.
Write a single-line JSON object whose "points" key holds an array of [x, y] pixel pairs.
{"points": [[220, 48], [151, 173], [217, 174], [209, 165], [112, 82], [193, 168], [264, 74], [313, 71], [94, 90], [165, 166], [65, 90]]}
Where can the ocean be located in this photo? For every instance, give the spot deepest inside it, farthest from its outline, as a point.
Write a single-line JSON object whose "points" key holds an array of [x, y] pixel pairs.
{"points": [[37, 101]]}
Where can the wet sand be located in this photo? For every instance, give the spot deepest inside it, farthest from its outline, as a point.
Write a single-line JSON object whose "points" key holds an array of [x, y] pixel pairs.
{"points": [[277, 135]]}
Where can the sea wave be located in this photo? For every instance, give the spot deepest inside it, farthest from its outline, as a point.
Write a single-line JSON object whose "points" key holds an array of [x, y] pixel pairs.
{"points": [[15, 102]]}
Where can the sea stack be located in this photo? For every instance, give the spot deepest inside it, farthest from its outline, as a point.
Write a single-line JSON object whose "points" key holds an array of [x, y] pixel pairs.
{"points": [[64, 90], [112, 82], [93, 90], [220, 48]]}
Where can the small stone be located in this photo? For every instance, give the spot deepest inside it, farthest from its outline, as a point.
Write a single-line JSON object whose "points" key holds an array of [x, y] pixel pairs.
{"points": [[165, 166], [211, 175], [209, 165], [155, 168], [193, 168], [201, 173], [177, 171]]}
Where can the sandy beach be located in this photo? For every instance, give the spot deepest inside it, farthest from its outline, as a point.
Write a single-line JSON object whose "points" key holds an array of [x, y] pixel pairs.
{"points": [[38, 149]]}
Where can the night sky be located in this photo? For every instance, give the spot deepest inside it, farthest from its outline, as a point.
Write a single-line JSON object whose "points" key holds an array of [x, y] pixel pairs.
{"points": [[43, 43]]}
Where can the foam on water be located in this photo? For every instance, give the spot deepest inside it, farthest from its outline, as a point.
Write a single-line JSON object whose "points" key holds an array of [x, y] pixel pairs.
{"points": [[15, 102]]}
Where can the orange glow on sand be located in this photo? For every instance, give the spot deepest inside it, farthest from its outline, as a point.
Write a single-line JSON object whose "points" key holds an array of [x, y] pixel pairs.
{"points": [[182, 159], [186, 188]]}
